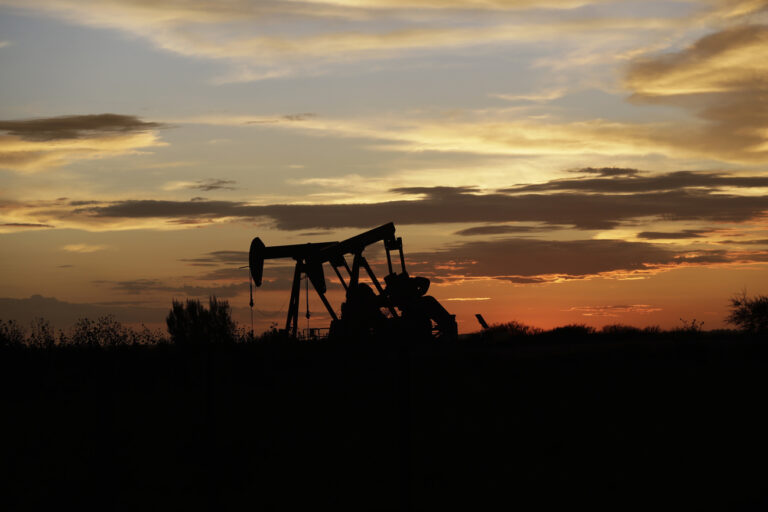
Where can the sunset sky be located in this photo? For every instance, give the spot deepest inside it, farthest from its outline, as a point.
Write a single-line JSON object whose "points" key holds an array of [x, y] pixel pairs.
{"points": [[545, 161]]}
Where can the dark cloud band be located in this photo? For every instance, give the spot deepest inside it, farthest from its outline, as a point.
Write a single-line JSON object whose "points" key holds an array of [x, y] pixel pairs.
{"points": [[580, 210], [75, 127]]}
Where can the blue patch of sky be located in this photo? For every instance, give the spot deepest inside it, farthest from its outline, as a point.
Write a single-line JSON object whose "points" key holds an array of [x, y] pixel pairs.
{"points": [[60, 69]]}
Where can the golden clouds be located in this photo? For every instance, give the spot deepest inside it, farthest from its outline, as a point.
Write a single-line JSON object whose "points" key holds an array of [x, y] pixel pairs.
{"points": [[36, 144], [83, 248], [739, 8], [313, 34], [723, 80], [516, 135], [734, 59], [458, 4]]}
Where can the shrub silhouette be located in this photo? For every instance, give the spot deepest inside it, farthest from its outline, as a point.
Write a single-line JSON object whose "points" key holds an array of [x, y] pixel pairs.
{"points": [[11, 334], [621, 330], [689, 326], [105, 331], [749, 313], [41, 334], [573, 330], [508, 331], [191, 324]]}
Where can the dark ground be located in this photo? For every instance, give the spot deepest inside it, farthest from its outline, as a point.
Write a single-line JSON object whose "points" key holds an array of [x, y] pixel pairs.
{"points": [[655, 422]]}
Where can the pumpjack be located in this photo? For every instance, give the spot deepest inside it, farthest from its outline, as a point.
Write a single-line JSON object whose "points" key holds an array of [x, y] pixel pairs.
{"points": [[400, 307]]}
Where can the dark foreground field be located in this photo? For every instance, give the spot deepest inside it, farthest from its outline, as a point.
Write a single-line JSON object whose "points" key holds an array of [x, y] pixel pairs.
{"points": [[647, 422]]}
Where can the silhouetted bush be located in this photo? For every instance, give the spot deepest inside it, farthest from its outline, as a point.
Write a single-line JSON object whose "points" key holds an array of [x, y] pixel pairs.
{"points": [[11, 334], [621, 330], [105, 331], [689, 327], [508, 331], [652, 329], [41, 334], [145, 336], [749, 313], [191, 324], [573, 330]]}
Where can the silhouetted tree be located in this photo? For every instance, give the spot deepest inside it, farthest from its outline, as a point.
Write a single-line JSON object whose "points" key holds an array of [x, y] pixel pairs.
{"points": [[190, 323], [749, 313]]}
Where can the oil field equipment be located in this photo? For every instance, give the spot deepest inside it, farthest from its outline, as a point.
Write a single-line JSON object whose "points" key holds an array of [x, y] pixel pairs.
{"points": [[399, 307]]}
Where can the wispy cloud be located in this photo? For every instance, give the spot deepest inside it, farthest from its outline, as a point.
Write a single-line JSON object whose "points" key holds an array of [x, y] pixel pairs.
{"points": [[74, 127], [42, 143], [25, 225], [459, 4], [614, 311], [721, 79], [672, 235], [636, 182], [588, 204], [502, 133], [536, 97], [315, 34], [142, 286], [206, 185], [500, 229], [83, 248], [531, 261]]}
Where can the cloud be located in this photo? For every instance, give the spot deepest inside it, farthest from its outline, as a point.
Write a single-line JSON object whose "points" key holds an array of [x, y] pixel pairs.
{"points": [[25, 225], [83, 248], [498, 230], [457, 205], [722, 80], [459, 4], [587, 204], [232, 266], [739, 8], [142, 286], [35, 144], [606, 172], [206, 185], [311, 34], [763, 241], [719, 62], [676, 235], [212, 184], [620, 181], [225, 274], [74, 127], [503, 133], [612, 311], [299, 117], [539, 97], [218, 258], [548, 260], [531, 261]]}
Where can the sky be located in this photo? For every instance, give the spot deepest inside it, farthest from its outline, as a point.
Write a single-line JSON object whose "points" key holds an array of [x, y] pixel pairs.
{"points": [[545, 161]]}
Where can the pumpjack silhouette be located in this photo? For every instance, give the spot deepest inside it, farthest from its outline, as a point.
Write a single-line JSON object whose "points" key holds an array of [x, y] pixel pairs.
{"points": [[400, 307]]}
